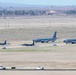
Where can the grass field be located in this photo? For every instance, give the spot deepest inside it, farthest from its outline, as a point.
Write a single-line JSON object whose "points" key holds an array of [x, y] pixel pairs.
{"points": [[29, 28], [24, 29]]}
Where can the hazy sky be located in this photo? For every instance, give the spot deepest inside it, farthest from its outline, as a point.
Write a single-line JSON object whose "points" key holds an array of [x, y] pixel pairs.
{"points": [[42, 2]]}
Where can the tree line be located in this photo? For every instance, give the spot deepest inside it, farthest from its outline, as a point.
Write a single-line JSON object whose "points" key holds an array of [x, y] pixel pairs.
{"points": [[71, 12], [21, 12]]}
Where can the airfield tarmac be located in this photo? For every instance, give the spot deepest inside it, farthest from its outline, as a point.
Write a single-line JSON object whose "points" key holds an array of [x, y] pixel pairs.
{"points": [[23, 30], [37, 73]]}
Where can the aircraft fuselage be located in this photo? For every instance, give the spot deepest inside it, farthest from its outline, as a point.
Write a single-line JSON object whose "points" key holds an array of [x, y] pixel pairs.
{"points": [[73, 41]]}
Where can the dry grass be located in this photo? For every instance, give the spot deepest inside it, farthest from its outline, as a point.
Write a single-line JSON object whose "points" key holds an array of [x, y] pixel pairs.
{"points": [[47, 55], [29, 28]]}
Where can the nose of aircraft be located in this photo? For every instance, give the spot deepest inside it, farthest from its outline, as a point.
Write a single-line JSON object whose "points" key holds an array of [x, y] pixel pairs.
{"points": [[64, 41]]}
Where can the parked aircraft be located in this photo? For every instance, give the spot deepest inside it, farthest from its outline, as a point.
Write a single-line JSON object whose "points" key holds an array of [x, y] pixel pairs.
{"points": [[4, 43], [73, 41], [46, 40], [28, 44]]}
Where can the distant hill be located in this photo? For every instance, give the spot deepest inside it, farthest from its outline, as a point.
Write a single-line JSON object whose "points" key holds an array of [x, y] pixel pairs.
{"points": [[11, 5], [19, 5]]}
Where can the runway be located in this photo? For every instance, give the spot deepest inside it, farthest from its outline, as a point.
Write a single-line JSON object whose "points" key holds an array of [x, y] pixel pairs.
{"points": [[39, 70]]}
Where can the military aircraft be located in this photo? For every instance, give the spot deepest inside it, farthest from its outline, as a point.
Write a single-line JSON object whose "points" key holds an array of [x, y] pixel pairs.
{"points": [[46, 40], [73, 41], [4, 43], [28, 44]]}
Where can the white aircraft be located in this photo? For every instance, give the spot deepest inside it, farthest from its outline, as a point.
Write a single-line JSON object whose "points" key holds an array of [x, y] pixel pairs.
{"points": [[39, 68]]}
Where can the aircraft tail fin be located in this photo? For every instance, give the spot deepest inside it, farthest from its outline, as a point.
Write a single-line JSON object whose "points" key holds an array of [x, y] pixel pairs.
{"points": [[5, 42], [54, 36], [33, 42]]}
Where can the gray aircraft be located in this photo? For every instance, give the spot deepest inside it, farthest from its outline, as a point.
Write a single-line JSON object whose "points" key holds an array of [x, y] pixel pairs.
{"points": [[4, 43], [46, 40], [73, 41], [28, 44]]}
